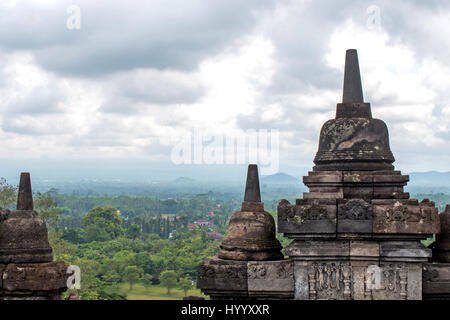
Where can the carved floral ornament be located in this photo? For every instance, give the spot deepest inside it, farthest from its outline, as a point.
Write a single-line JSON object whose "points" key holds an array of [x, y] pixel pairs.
{"points": [[430, 274], [401, 213], [355, 209], [257, 271], [298, 213], [263, 271]]}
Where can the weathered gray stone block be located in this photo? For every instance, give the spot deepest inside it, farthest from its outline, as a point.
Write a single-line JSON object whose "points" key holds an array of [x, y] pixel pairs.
{"points": [[319, 280], [271, 278], [404, 251], [404, 217], [436, 281], [354, 216], [307, 217], [223, 275], [313, 250], [364, 250]]}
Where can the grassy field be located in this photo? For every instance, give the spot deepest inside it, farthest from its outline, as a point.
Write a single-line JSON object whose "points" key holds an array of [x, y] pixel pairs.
{"points": [[157, 292]]}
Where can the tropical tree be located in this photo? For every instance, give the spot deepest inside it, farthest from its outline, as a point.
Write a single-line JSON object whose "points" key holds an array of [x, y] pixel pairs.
{"points": [[133, 231], [132, 274], [47, 207], [185, 284], [8, 194], [168, 279], [147, 280], [102, 224]]}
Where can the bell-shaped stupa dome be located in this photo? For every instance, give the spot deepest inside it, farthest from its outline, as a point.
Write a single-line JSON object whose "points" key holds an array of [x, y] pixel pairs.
{"points": [[353, 140], [23, 235], [251, 231]]}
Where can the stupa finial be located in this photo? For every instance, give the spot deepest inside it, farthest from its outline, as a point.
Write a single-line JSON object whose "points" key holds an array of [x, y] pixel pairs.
{"points": [[252, 193], [25, 196], [352, 78]]}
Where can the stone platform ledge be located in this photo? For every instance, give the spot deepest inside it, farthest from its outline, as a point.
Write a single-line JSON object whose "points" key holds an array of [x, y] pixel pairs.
{"points": [[436, 281], [228, 279], [340, 279], [348, 250], [24, 279], [347, 218]]}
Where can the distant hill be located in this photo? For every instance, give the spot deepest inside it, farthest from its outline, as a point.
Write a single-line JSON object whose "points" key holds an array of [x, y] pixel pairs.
{"points": [[279, 178], [430, 178], [184, 180]]}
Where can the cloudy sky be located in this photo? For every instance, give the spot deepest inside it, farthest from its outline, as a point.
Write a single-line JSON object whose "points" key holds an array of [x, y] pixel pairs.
{"points": [[128, 79]]}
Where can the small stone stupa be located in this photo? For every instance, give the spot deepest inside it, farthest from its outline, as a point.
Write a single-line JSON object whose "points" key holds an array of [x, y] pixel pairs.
{"points": [[251, 231], [27, 270], [250, 254]]}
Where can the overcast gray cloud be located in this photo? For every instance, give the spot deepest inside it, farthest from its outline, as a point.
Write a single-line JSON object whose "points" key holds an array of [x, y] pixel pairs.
{"points": [[122, 35], [139, 72]]}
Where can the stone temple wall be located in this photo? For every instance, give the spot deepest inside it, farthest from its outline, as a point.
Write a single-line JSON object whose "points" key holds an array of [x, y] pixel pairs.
{"points": [[356, 235]]}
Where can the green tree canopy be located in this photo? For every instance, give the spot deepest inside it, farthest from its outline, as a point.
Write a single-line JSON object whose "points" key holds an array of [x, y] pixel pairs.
{"points": [[147, 280], [102, 224], [47, 207], [185, 284], [133, 231], [132, 274], [8, 194], [168, 279]]}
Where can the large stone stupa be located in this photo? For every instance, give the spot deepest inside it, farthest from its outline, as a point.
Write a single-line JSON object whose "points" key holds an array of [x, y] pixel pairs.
{"points": [[357, 234]]}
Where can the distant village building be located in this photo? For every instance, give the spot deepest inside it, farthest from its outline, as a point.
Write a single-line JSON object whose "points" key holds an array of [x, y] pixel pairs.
{"points": [[193, 226], [215, 236], [203, 223]]}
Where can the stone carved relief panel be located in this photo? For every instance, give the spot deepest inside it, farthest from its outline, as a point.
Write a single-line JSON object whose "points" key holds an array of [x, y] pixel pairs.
{"points": [[331, 280], [355, 209], [301, 213], [265, 270], [388, 282], [222, 271], [307, 216], [354, 216], [398, 217]]}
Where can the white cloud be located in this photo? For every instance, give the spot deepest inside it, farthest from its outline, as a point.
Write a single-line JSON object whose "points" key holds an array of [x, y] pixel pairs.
{"points": [[129, 84]]}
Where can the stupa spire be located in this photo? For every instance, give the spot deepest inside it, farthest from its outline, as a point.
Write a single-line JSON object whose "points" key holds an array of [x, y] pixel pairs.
{"points": [[25, 196], [352, 78], [252, 192]]}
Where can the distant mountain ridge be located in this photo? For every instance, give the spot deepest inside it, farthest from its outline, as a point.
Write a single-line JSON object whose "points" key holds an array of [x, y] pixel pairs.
{"points": [[184, 180], [434, 178], [280, 177]]}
